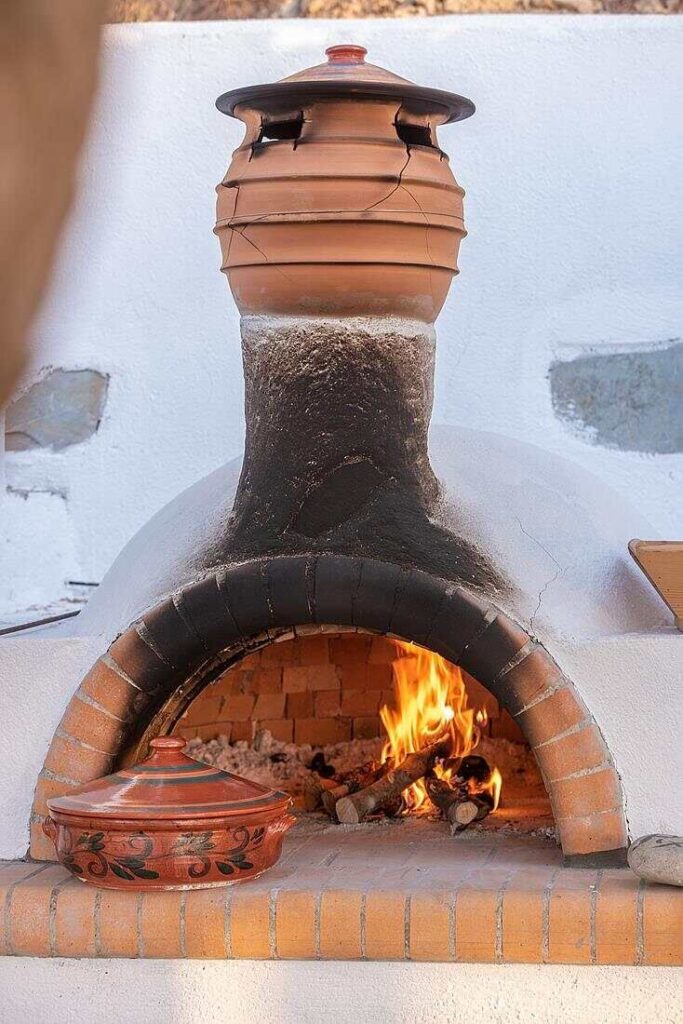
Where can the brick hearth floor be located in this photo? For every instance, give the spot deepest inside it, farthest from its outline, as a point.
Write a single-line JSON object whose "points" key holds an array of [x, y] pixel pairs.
{"points": [[399, 891]]}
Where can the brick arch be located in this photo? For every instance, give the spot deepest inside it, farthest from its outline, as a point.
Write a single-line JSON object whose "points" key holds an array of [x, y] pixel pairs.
{"points": [[230, 610]]}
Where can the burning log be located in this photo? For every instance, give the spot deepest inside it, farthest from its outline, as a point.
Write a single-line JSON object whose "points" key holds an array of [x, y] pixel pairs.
{"points": [[353, 808], [457, 804], [463, 798], [351, 782]]}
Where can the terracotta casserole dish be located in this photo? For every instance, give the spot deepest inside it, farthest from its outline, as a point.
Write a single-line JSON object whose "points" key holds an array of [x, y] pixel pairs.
{"points": [[168, 823]]}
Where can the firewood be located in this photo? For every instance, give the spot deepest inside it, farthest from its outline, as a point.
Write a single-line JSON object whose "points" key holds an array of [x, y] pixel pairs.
{"points": [[353, 808], [453, 798], [463, 812], [313, 789], [351, 782], [330, 796], [443, 793]]}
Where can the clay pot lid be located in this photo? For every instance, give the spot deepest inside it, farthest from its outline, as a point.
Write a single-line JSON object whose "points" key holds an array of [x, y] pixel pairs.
{"points": [[170, 785], [346, 75], [346, 62]]}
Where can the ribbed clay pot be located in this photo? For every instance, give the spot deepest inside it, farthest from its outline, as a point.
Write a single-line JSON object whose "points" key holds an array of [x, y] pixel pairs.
{"points": [[339, 201]]}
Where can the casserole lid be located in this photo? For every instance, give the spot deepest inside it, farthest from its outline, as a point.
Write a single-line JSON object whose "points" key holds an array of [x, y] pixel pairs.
{"points": [[170, 785], [346, 75]]}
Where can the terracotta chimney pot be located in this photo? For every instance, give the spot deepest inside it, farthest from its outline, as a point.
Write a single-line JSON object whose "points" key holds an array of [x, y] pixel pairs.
{"points": [[339, 201]]}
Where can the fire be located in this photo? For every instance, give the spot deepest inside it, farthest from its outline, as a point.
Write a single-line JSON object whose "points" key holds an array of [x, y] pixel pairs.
{"points": [[431, 704]]}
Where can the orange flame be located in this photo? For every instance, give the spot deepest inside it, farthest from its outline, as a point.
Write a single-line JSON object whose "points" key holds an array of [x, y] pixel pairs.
{"points": [[431, 704]]}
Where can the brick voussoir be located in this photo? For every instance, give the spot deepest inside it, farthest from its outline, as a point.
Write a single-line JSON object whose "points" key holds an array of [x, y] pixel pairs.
{"points": [[290, 582], [376, 595], [203, 607], [335, 583], [418, 600], [245, 590], [168, 634], [461, 617], [486, 655], [137, 660]]}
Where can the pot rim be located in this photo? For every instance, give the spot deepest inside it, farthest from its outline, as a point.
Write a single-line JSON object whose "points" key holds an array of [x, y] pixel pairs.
{"points": [[278, 96], [177, 824]]}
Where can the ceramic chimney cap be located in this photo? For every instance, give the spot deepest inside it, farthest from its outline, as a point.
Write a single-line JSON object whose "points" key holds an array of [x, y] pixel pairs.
{"points": [[345, 74]]}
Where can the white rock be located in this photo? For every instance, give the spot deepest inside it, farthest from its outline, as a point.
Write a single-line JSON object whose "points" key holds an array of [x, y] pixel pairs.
{"points": [[658, 859]]}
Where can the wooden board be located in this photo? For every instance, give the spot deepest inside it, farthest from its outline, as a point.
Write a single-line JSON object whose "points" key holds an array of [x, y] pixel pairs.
{"points": [[662, 563]]}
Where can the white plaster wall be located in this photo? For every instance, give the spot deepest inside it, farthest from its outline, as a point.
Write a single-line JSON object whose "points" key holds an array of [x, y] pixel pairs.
{"points": [[573, 179], [241, 992], [38, 675]]}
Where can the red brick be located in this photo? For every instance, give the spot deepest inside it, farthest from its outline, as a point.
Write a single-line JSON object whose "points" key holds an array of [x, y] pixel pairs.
{"points": [[75, 920], [360, 702], [475, 926], [205, 924], [210, 732], [314, 650], [118, 923], [242, 731], [75, 761], [576, 752], [361, 677], [553, 715], [206, 709], [160, 924], [350, 649], [30, 912], [269, 705], [238, 708], [321, 731], [587, 794], [663, 925], [295, 925], [250, 924], [277, 655], [327, 703], [367, 728], [385, 925], [430, 927], [264, 680], [298, 678], [251, 661], [593, 834], [382, 651], [616, 918], [281, 729], [92, 726], [340, 925], [301, 705], [110, 690]]}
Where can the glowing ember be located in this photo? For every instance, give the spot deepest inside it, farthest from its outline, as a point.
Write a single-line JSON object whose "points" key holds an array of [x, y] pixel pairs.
{"points": [[431, 704]]}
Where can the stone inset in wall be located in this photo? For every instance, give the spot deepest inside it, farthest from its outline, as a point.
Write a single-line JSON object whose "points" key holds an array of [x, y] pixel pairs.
{"points": [[628, 400], [65, 407]]}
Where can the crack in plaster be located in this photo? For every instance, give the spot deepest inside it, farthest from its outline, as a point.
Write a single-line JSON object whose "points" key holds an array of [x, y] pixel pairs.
{"points": [[560, 571]]}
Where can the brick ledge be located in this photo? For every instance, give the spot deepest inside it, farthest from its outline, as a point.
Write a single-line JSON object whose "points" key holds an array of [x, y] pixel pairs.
{"points": [[362, 895]]}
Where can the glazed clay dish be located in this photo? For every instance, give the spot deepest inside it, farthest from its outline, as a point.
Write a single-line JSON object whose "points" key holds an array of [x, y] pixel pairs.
{"points": [[168, 823]]}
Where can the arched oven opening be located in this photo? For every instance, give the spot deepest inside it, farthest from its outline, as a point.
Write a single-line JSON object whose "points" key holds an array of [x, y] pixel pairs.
{"points": [[328, 713]]}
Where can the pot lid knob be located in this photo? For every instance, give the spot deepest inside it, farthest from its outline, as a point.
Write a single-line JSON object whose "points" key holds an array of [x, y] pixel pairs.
{"points": [[346, 53], [168, 743]]}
